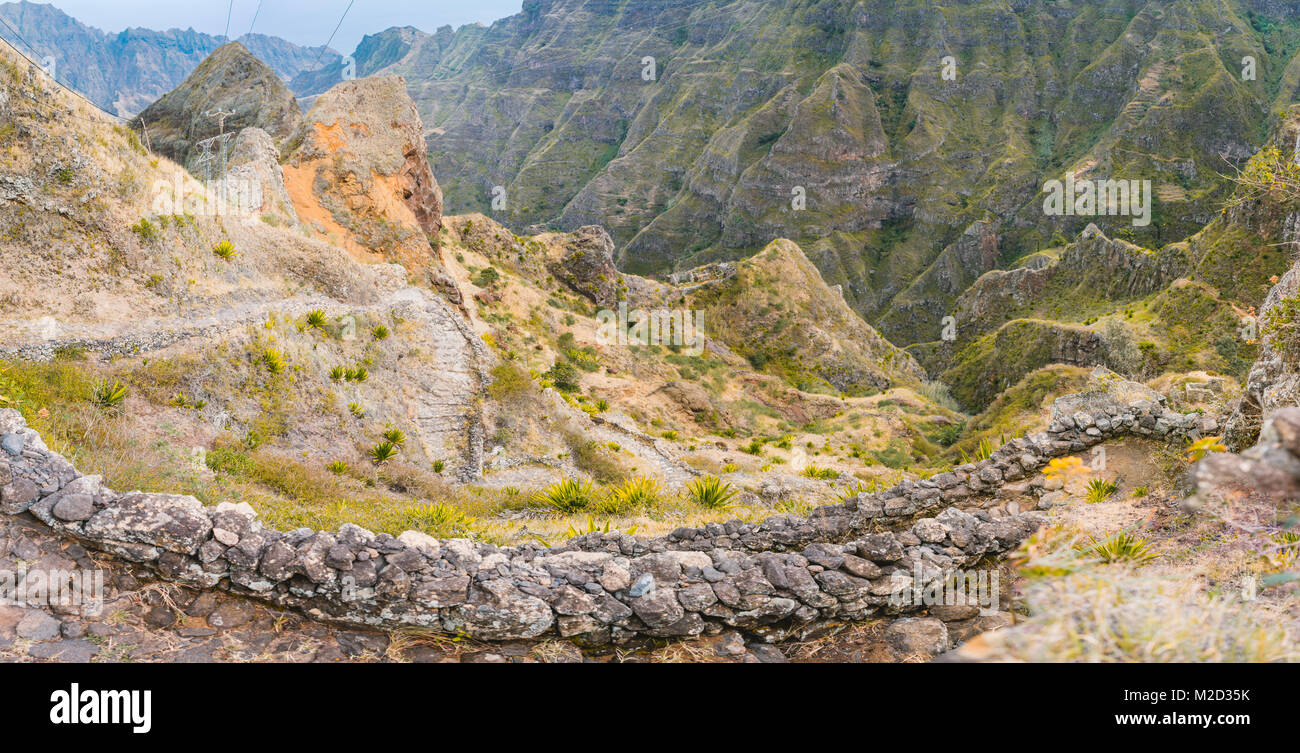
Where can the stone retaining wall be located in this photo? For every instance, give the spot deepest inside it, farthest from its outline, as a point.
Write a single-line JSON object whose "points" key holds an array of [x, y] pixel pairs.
{"points": [[772, 579]]}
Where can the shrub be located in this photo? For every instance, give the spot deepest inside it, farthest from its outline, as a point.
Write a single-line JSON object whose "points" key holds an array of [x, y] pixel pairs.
{"points": [[252, 440], [564, 376], [1065, 468], [592, 458], [439, 466], [145, 230], [711, 492], [316, 319], [225, 250], [567, 496], [274, 361], [383, 452], [438, 519], [1122, 547], [508, 381], [817, 471], [638, 493], [1100, 490], [109, 396], [380, 332]]}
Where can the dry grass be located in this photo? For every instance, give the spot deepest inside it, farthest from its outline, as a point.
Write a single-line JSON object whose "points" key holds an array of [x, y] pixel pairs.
{"points": [[1082, 610]]}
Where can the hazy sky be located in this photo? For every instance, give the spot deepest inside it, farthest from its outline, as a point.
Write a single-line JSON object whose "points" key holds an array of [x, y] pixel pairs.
{"points": [[306, 22]]}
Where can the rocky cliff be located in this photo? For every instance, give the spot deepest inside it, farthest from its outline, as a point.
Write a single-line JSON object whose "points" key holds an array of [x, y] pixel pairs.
{"points": [[357, 172]]}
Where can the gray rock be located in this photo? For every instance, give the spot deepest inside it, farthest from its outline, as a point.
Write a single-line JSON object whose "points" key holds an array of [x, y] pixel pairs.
{"points": [[918, 635], [74, 507], [644, 585], [38, 625], [73, 651], [18, 495], [172, 522], [13, 443]]}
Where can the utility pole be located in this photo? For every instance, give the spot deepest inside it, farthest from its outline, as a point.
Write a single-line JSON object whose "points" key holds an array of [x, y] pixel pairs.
{"points": [[221, 116]]}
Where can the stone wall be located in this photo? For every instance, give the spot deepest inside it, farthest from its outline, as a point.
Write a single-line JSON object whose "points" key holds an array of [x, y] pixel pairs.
{"points": [[773, 579]]}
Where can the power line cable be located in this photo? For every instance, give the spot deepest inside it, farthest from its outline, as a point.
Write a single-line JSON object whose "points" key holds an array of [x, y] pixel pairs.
{"points": [[256, 13], [336, 31], [229, 9]]}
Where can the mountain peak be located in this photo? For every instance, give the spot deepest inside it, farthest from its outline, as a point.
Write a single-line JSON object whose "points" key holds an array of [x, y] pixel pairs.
{"points": [[230, 90]]}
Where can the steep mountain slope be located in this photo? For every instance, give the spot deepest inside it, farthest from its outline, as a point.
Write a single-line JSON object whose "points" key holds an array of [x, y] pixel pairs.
{"points": [[913, 182], [125, 72], [1186, 306]]}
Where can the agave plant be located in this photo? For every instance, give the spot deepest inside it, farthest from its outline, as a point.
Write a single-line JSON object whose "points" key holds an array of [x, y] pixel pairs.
{"points": [[711, 492], [395, 437], [359, 374], [850, 492], [1122, 547], [568, 496], [439, 466], [356, 410], [638, 493], [225, 250], [380, 332], [817, 471], [338, 467], [1100, 490], [338, 373], [274, 361], [317, 319], [383, 452], [982, 452], [109, 395]]}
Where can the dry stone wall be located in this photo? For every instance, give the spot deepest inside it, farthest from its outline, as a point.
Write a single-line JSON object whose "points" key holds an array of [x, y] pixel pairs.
{"points": [[773, 579]]}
